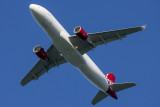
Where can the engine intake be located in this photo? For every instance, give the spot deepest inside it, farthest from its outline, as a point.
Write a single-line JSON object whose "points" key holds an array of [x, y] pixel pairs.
{"points": [[80, 33], [39, 51]]}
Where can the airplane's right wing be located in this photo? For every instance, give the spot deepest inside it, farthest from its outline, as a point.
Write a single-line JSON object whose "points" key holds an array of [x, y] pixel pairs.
{"points": [[54, 59], [102, 38]]}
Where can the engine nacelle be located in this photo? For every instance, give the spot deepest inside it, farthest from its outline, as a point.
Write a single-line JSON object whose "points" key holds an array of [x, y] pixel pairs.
{"points": [[80, 33], [39, 51]]}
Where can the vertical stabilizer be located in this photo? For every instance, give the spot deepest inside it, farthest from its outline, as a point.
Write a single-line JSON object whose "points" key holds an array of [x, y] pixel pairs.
{"points": [[111, 77]]}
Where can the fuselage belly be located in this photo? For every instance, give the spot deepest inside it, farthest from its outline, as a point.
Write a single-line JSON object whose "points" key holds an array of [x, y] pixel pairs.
{"points": [[60, 38]]}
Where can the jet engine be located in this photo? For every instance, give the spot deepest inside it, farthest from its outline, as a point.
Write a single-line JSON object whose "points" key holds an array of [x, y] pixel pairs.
{"points": [[39, 51], [80, 33]]}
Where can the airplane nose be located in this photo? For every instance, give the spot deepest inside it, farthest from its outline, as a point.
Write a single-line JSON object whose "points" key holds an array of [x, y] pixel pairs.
{"points": [[35, 10], [32, 6], [40, 14]]}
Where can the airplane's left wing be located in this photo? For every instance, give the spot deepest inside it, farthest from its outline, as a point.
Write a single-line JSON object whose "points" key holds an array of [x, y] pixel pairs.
{"points": [[54, 59], [102, 38]]}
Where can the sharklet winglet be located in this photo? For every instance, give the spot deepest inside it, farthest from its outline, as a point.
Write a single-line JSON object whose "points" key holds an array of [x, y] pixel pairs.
{"points": [[143, 27]]}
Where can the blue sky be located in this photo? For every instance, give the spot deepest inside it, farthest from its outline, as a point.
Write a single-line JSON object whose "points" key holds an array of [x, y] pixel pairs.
{"points": [[134, 59]]}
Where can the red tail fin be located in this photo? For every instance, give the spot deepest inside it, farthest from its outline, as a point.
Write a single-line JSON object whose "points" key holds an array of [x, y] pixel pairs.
{"points": [[112, 93], [111, 77]]}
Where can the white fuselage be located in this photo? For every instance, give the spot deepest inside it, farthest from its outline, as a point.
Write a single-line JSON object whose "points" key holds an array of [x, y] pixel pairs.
{"points": [[60, 39]]}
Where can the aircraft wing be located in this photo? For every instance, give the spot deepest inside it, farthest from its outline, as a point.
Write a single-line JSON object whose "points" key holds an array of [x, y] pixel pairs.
{"points": [[102, 38], [54, 59]]}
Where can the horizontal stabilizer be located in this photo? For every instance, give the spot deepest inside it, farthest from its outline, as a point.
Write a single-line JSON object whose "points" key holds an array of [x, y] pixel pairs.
{"points": [[100, 96], [121, 86], [115, 87]]}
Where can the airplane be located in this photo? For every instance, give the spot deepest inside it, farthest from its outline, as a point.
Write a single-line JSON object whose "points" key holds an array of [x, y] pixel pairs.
{"points": [[73, 49]]}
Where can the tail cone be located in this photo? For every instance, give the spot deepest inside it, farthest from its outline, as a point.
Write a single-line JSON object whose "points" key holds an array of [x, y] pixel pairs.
{"points": [[112, 93]]}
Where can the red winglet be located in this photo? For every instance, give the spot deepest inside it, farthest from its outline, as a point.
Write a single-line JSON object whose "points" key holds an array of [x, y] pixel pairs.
{"points": [[143, 27]]}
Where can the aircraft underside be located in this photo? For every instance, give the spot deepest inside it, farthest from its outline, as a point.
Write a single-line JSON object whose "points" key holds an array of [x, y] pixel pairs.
{"points": [[73, 49]]}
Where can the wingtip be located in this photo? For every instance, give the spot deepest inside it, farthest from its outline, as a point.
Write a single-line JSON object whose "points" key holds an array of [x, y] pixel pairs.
{"points": [[22, 84], [143, 27]]}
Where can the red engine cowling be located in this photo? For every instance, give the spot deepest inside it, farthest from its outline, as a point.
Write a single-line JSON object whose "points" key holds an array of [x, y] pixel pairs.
{"points": [[80, 33], [39, 51]]}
